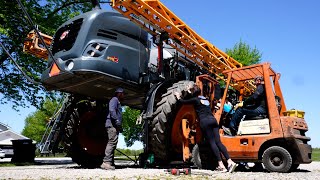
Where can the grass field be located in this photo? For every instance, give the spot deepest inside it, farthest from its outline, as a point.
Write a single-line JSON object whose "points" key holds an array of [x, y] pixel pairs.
{"points": [[316, 154]]}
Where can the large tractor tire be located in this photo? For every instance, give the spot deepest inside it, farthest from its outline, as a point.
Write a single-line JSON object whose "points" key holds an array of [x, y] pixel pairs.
{"points": [[162, 143], [277, 159], [84, 133]]}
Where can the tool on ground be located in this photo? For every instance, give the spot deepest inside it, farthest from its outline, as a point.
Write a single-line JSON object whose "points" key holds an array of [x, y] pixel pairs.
{"points": [[175, 171]]}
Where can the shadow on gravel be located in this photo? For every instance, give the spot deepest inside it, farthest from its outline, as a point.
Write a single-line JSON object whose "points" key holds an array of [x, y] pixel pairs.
{"points": [[243, 168], [38, 161], [57, 162], [301, 170]]}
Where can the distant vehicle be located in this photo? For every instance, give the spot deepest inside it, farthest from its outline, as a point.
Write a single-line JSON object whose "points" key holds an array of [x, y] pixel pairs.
{"points": [[2, 154]]}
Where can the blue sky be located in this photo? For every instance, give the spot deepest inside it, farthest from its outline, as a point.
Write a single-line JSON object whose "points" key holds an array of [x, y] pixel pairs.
{"points": [[287, 32]]}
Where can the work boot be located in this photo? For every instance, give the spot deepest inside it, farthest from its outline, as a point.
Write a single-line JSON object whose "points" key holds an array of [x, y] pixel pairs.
{"points": [[107, 166]]}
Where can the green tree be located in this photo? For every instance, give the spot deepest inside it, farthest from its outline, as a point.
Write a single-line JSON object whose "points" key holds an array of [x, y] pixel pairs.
{"points": [[131, 131], [14, 27], [243, 53], [128, 152], [35, 123]]}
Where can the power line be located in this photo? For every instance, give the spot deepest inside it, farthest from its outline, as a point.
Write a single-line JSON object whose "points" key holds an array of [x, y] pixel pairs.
{"points": [[17, 65]]}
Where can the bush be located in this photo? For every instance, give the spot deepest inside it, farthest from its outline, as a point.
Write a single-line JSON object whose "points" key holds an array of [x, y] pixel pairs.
{"points": [[315, 154], [129, 152]]}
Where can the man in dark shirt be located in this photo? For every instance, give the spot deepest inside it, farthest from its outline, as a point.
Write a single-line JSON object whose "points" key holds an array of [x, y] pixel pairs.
{"points": [[257, 104], [113, 126]]}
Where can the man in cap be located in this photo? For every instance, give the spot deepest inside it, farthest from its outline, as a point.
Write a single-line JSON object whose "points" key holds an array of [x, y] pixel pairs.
{"points": [[114, 127], [257, 104]]}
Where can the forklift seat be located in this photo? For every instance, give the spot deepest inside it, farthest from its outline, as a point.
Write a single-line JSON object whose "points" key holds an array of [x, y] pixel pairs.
{"points": [[256, 126]]}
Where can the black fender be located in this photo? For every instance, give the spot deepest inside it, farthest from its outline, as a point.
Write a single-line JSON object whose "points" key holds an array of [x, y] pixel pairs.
{"points": [[151, 95]]}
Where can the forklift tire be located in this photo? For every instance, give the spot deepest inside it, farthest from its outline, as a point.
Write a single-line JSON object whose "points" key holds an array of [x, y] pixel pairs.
{"points": [[160, 127], [277, 159]]}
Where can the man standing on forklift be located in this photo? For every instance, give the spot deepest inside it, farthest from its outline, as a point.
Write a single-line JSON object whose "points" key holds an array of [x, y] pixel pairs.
{"points": [[255, 105], [114, 127]]}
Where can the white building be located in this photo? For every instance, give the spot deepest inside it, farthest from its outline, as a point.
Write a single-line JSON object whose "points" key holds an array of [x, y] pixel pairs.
{"points": [[6, 135]]}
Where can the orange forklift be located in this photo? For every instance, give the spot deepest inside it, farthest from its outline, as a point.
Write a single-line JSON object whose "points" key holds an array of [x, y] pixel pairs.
{"points": [[278, 139]]}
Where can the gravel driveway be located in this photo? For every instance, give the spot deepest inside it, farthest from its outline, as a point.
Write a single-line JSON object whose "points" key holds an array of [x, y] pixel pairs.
{"points": [[57, 168]]}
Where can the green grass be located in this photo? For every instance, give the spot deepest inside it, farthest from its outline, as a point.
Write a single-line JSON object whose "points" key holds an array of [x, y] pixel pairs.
{"points": [[8, 164], [315, 154], [124, 157], [38, 155]]}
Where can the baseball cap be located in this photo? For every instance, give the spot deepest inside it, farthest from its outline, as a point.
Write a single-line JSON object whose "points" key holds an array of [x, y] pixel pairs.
{"points": [[119, 90]]}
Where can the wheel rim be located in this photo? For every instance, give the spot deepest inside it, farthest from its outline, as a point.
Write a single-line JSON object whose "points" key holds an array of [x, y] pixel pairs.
{"points": [[276, 160], [93, 146], [185, 112]]}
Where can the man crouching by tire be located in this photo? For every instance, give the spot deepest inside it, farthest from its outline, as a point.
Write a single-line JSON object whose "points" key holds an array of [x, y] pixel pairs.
{"points": [[114, 127]]}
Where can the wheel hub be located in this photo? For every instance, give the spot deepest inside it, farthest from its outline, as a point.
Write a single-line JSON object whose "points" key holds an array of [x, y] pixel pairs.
{"points": [[277, 161], [180, 140], [90, 137]]}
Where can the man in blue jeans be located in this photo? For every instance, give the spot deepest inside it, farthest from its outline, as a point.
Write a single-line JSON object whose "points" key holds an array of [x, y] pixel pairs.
{"points": [[257, 101], [113, 127]]}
